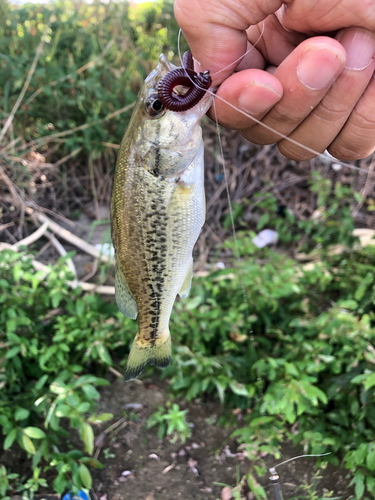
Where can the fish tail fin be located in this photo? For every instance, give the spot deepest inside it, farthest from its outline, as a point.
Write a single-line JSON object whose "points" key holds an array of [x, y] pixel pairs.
{"points": [[143, 353]]}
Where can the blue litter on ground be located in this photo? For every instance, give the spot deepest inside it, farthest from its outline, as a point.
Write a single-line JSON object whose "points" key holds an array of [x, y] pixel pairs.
{"points": [[70, 496]]}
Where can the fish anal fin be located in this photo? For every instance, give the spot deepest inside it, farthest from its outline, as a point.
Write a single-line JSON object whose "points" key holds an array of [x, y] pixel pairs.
{"points": [[124, 298], [144, 353], [185, 288]]}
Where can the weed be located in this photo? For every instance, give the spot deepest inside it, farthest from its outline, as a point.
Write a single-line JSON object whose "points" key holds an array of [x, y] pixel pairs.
{"points": [[170, 422], [50, 337]]}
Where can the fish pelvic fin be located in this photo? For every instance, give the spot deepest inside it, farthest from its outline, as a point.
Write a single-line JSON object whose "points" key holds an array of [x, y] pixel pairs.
{"points": [[143, 353]]}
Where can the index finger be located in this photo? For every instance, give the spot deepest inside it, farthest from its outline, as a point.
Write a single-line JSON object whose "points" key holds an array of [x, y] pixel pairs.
{"points": [[215, 30]]}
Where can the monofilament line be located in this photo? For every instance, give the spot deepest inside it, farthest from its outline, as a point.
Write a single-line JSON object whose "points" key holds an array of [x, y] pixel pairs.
{"points": [[273, 469], [236, 247], [259, 122]]}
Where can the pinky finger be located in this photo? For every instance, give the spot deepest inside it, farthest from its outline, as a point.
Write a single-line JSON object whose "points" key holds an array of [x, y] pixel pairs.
{"points": [[356, 139]]}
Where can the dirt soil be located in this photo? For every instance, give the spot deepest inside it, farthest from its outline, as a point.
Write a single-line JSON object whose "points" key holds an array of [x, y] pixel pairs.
{"points": [[142, 467]]}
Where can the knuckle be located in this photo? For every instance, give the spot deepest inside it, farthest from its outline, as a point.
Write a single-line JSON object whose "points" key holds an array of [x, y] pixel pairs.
{"points": [[293, 152], [252, 136], [348, 151]]}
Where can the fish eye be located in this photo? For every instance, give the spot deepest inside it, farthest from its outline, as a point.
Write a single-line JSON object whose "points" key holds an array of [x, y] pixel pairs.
{"points": [[153, 106]]}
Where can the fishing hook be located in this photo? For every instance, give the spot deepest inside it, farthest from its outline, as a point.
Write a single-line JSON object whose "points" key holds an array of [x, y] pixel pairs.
{"points": [[197, 84]]}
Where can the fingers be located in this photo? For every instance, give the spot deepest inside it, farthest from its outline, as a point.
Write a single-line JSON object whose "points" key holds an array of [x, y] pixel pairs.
{"points": [[357, 139], [253, 91], [306, 76], [325, 122], [215, 30], [325, 15]]}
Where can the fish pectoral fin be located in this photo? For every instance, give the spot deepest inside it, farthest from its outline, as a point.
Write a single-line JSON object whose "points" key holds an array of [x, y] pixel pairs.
{"points": [[124, 298], [185, 288], [145, 352]]}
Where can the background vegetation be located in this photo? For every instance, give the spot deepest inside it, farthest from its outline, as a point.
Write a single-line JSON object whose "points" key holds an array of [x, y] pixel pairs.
{"points": [[297, 352]]}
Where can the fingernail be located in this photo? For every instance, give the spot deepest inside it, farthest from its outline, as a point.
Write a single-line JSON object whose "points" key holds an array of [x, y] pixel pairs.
{"points": [[360, 48], [318, 67], [258, 104]]}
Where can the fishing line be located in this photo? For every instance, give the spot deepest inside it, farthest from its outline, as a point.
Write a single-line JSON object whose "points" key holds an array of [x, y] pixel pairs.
{"points": [[245, 54], [236, 247], [273, 469], [259, 122]]}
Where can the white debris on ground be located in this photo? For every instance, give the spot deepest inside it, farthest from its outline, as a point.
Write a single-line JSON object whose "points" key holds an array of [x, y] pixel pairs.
{"points": [[105, 248], [265, 237]]}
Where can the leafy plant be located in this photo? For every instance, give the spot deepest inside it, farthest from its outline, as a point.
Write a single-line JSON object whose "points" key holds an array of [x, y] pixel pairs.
{"points": [[171, 422], [50, 337], [309, 489]]}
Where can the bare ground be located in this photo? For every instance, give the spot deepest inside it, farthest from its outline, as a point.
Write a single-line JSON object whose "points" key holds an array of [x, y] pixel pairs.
{"points": [[145, 468]]}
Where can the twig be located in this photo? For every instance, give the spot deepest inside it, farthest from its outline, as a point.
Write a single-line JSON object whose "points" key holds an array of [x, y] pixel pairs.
{"points": [[115, 372], [92, 272], [243, 167], [47, 138], [93, 187], [24, 88], [11, 144], [73, 239], [12, 188], [111, 145], [63, 253], [4, 226], [32, 237], [66, 77], [32, 164], [101, 289]]}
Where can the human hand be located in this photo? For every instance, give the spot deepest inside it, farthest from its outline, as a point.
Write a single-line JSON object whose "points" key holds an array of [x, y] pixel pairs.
{"points": [[319, 91]]}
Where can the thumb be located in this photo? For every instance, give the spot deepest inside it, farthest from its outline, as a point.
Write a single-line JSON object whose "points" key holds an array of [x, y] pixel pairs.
{"points": [[216, 29]]}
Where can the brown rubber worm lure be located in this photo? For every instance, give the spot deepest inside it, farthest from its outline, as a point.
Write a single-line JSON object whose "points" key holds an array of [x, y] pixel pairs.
{"points": [[180, 76]]}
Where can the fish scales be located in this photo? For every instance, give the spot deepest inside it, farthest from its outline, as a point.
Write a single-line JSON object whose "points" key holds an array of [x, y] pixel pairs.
{"points": [[157, 213]]}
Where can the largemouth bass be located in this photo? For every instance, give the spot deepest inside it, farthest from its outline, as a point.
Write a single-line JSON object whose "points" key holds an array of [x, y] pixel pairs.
{"points": [[158, 209]]}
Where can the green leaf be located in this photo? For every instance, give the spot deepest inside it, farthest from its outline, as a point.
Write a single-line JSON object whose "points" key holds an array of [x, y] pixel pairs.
{"points": [[370, 483], [85, 476], [239, 389], [9, 440], [27, 444], [13, 352], [370, 381], [256, 488], [87, 435], [21, 414], [75, 454], [103, 354], [103, 417], [370, 459], [359, 480], [34, 432], [60, 483], [92, 462]]}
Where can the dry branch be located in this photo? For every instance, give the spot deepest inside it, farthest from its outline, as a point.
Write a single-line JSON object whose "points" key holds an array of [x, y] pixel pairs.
{"points": [[73, 239], [23, 91], [33, 236]]}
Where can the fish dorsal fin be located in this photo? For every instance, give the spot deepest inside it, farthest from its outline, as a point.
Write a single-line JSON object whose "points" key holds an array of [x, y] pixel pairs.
{"points": [[124, 298], [185, 288]]}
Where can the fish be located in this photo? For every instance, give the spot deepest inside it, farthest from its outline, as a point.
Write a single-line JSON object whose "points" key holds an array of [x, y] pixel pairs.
{"points": [[157, 212]]}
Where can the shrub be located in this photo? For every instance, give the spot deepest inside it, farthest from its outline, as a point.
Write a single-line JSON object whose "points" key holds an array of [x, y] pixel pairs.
{"points": [[53, 344]]}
